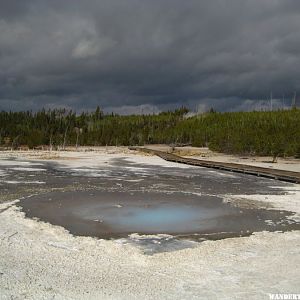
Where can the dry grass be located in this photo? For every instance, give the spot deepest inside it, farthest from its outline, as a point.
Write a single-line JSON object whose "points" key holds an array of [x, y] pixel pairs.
{"points": [[190, 152]]}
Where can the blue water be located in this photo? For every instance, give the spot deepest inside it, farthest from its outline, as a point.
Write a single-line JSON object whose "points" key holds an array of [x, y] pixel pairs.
{"points": [[116, 214], [159, 217], [153, 218]]}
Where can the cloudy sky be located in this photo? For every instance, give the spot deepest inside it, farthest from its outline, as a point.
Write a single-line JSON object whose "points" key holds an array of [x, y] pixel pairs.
{"points": [[148, 55]]}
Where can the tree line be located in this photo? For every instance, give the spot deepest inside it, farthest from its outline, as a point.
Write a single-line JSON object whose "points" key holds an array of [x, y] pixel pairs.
{"points": [[274, 133]]}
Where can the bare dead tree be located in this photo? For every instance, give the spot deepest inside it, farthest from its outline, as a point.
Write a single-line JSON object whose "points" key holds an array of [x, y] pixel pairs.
{"points": [[78, 132], [65, 137], [51, 142], [15, 142]]}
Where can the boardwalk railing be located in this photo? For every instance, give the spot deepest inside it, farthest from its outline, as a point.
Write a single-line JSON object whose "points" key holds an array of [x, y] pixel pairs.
{"points": [[283, 175]]}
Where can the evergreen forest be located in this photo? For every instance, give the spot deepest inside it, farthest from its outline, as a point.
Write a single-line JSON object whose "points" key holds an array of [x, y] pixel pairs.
{"points": [[275, 133]]}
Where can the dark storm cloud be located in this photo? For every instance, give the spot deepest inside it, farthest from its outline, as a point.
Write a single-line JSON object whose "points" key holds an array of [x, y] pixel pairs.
{"points": [[153, 54]]}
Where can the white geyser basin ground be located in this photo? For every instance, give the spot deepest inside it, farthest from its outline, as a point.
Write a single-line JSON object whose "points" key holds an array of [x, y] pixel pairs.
{"points": [[72, 236]]}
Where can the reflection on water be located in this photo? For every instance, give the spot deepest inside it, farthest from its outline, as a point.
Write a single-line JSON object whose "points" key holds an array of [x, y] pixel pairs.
{"points": [[122, 198], [119, 214], [158, 218], [151, 218]]}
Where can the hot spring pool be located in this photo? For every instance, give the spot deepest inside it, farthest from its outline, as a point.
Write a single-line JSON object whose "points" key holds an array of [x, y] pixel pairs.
{"points": [[118, 214]]}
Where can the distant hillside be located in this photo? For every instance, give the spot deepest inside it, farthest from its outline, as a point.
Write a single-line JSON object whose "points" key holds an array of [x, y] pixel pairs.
{"points": [[262, 133]]}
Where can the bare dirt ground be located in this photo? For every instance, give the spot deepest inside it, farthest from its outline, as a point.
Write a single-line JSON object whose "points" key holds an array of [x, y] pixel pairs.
{"points": [[288, 164], [42, 261]]}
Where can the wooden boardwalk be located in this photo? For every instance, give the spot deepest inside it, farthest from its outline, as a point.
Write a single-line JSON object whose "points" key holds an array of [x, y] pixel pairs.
{"points": [[282, 175]]}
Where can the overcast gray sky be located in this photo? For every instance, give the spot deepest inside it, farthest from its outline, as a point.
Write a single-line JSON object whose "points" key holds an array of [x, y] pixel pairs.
{"points": [[148, 55]]}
